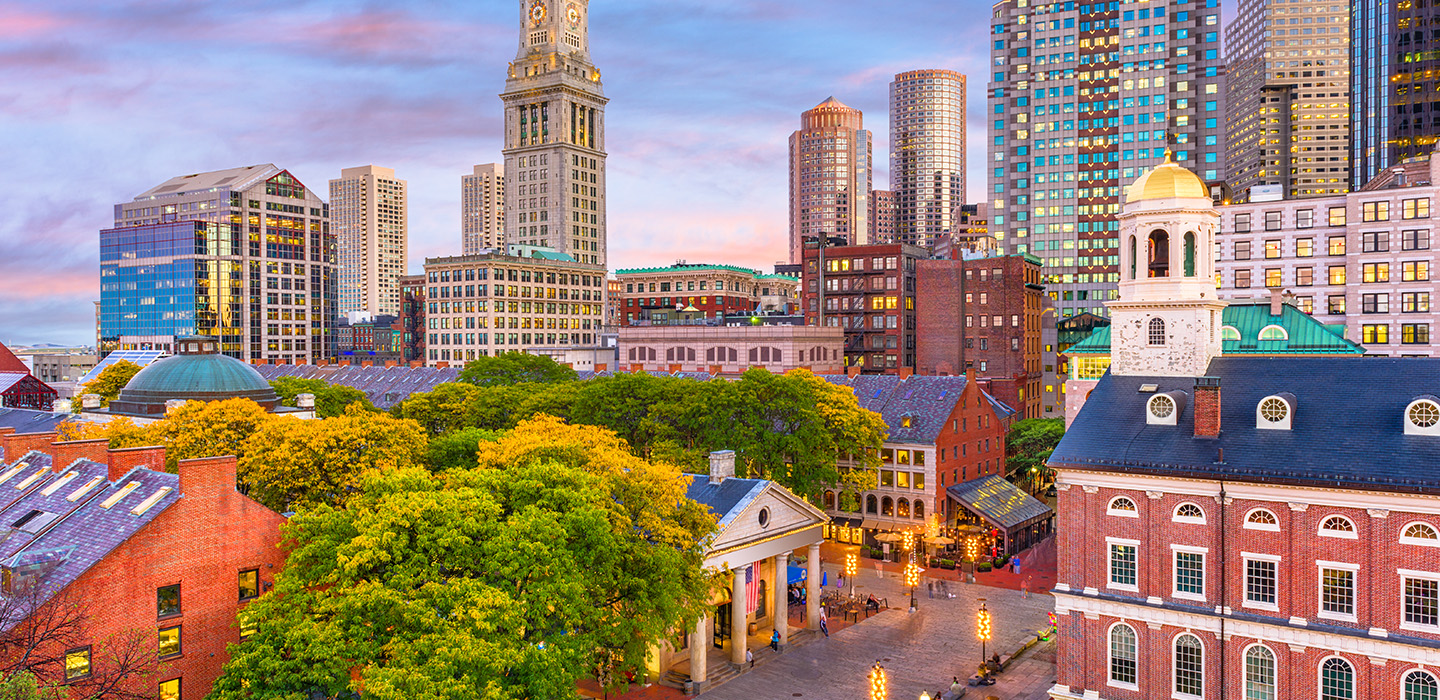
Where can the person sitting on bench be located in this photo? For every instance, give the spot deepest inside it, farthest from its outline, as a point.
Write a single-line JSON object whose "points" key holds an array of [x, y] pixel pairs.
{"points": [[872, 603]]}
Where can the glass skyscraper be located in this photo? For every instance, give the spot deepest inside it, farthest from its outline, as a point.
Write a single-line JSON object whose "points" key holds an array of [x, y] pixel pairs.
{"points": [[927, 153]]}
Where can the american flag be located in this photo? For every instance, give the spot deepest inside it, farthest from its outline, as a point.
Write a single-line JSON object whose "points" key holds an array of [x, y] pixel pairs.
{"points": [[752, 589]]}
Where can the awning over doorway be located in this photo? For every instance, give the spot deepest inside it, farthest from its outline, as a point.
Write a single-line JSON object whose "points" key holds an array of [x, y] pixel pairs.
{"points": [[873, 524], [796, 574], [999, 502]]}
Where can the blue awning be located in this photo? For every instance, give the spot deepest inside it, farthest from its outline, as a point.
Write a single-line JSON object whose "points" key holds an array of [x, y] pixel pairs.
{"points": [[797, 574]]}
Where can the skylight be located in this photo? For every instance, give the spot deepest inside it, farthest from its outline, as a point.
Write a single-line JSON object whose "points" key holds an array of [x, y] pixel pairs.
{"points": [[13, 471], [123, 492], [150, 502], [31, 479], [84, 489], [59, 483]]}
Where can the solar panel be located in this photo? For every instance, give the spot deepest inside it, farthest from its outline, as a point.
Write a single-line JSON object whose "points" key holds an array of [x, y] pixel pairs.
{"points": [[140, 357]]}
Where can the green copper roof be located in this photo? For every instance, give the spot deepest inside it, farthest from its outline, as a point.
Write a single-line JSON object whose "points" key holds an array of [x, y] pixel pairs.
{"points": [[1303, 334], [787, 278], [194, 376], [688, 268]]}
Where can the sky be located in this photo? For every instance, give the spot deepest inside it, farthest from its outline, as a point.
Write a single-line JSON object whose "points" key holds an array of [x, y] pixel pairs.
{"points": [[100, 101]]}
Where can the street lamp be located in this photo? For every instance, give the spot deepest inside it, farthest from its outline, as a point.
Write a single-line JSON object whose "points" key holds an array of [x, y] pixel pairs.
{"points": [[912, 579], [878, 690], [924, 695], [852, 569], [982, 628]]}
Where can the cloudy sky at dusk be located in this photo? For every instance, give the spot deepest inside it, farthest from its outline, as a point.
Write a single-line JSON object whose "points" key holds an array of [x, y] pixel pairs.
{"points": [[100, 101]]}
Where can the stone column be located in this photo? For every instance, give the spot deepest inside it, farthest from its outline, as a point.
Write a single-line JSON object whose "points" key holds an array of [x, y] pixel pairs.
{"points": [[812, 588], [699, 646], [782, 597], [738, 640]]}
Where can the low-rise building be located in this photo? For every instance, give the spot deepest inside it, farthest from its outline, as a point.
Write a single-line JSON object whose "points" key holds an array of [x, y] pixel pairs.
{"points": [[525, 298], [19, 388], [653, 294], [868, 292], [62, 370], [362, 336], [731, 349], [412, 317]]}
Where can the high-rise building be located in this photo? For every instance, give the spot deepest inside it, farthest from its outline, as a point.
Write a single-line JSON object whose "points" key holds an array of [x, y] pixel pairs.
{"points": [[1287, 98], [482, 208], [869, 292], [927, 152], [555, 135], [369, 214], [1393, 64], [245, 255], [1081, 100], [882, 216], [829, 176]]}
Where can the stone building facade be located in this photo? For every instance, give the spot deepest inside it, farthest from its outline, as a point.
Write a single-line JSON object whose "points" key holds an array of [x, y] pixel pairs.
{"points": [[730, 350]]}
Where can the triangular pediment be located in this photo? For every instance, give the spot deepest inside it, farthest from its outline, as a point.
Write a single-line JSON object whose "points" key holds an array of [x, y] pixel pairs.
{"points": [[784, 512]]}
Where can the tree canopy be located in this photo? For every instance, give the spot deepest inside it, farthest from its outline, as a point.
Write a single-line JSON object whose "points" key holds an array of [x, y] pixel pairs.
{"points": [[561, 555], [330, 399], [509, 368], [109, 382], [1027, 447], [196, 429]]}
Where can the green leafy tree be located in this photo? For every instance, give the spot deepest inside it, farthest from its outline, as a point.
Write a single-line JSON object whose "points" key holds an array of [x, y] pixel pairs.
{"points": [[208, 429], [502, 582], [109, 382], [330, 399], [458, 405], [290, 463], [643, 408], [456, 449], [1027, 448], [509, 368]]}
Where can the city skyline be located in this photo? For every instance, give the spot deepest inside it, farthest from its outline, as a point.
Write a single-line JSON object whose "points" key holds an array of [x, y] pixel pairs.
{"points": [[96, 85]]}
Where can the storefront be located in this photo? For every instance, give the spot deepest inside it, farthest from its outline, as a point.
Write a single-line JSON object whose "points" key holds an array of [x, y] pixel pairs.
{"points": [[1006, 516]]}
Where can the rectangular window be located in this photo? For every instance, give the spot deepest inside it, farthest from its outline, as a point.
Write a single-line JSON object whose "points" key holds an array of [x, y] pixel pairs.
{"points": [[1122, 566], [1305, 218], [1242, 279], [1337, 245], [249, 584], [1305, 248], [1335, 304], [1260, 582], [1272, 221], [77, 663], [1415, 333], [1422, 602], [1375, 272], [1304, 276], [1272, 277], [1337, 274], [1375, 242], [1337, 216], [1272, 249], [170, 642], [1190, 574], [1415, 240], [1415, 271], [1375, 211], [170, 690], [1337, 592], [1415, 302], [1375, 333], [1242, 223], [1375, 303], [167, 601], [1415, 208], [1242, 250]]}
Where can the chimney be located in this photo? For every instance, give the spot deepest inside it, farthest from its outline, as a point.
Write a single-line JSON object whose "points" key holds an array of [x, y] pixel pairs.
{"points": [[17, 445], [90, 401], [853, 371], [305, 401], [391, 363], [65, 453], [207, 476], [416, 363], [1207, 407], [367, 363], [123, 460], [905, 373], [1277, 302], [970, 374], [442, 365], [722, 466]]}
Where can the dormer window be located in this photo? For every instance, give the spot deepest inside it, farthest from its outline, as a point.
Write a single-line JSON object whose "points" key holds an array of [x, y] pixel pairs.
{"points": [[1338, 526], [1422, 534], [906, 421], [1164, 409], [1123, 507], [1261, 519], [1189, 513], [1273, 332], [1422, 416], [1275, 412], [1229, 333]]}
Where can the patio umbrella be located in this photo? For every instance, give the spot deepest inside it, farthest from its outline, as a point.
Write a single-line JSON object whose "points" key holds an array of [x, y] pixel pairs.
{"points": [[970, 529], [939, 540], [888, 537]]}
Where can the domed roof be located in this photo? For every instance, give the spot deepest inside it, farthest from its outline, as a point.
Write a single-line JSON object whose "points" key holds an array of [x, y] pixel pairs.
{"points": [[197, 373], [1166, 181]]}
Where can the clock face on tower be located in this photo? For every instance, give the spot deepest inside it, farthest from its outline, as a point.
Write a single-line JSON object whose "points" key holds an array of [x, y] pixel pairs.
{"points": [[573, 16], [537, 12]]}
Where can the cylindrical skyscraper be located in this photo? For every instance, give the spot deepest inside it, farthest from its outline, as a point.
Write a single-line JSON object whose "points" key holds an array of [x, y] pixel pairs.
{"points": [[927, 152], [829, 176]]}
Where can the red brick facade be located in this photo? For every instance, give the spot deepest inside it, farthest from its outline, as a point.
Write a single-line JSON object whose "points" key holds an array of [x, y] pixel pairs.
{"points": [[869, 291]]}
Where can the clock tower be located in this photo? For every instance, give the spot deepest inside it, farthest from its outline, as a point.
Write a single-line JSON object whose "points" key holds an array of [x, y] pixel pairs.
{"points": [[555, 134]]}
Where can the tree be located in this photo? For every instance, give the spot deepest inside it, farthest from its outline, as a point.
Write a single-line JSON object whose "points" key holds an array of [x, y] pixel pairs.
{"points": [[290, 464], [208, 429], [643, 408], [456, 449], [33, 650], [1027, 447], [121, 432], [509, 368], [502, 582], [330, 399], [109, 382], [458, 405]]}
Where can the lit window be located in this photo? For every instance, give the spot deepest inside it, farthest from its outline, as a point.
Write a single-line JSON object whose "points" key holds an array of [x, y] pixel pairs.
{"points": [[247, 623], [249, 584], [77, 663], [1189, 513], [170, 690], [1123, 506], [1420, 533], [1261, 519], [1274, 410], [1229, 333], [170, 642], [1123, 565], [1338, 526]]}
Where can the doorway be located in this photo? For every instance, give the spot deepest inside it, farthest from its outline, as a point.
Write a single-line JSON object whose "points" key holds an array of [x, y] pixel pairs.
{"points": [[722, 625]]}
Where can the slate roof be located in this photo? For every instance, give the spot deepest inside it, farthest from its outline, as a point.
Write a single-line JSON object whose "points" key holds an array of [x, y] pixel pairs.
{"points": [[999, 502], [688, 268], [727, 498], [27, 421], [1306, 336], [384, 386], [1347, 430]]}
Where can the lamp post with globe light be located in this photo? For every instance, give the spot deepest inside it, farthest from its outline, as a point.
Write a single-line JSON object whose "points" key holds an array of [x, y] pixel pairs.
{"points": [[852, 569], [982, 628]]}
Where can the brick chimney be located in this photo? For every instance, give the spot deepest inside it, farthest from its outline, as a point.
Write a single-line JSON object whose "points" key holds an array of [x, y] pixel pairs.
{"points": [[1207, 407], [63, 454], [905, 372], [121, 461], [1277, 302], [722, 465], [17, 445], [207, 476]]}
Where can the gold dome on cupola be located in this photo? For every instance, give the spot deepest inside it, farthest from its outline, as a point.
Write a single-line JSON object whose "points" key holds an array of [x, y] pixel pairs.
{"points": [[1166, 181]]}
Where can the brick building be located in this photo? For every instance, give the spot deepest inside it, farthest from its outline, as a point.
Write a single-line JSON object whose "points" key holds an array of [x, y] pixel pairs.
{"points": [[170, 558], [1259, 543], [982, 312], [654, 294], [730, 350], [412, 317], [869, 292], [373, 338], [19, 388]]}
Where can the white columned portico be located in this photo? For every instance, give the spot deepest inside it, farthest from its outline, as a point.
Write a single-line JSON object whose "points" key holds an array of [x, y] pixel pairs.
{"points": [[781, 597], [738, 640], [812, 587], [699, 645]]}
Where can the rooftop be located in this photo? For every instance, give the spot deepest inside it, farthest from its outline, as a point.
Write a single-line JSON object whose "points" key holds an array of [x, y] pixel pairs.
{"points": [[232, 178], [1243, 322]]}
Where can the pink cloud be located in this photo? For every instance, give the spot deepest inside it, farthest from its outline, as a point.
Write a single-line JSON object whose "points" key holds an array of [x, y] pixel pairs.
{"points": [[17, 22]]}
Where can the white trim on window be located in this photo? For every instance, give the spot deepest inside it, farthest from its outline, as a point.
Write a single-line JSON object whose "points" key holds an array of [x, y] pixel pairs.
{"points": [[1109, 564], [1351, 534], [1132, 512], [1409, 574], [1262, 526], [1245, 601], [1174, 666], [1320, 611], [1421, 541], [1175, 514], [1175, 591], [1274, 668], [1320, 674], [1110, 658]]}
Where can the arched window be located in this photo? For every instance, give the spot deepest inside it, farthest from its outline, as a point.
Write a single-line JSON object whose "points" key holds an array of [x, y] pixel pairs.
{"points": [[902, 508], [1337, 679], [1189, 253], [870, 502], [1157, 331], [1420, 685], [829, 500], [887, 506], [1189, 513], [919, 509], [1122, 654], [1189, 666], [1338, 526], [1159, 254], [1274, 332], [1123, 507], [1261, 519], [1422, 416], [1259, 673], [1132, 257], [1229, 333], [1274, 412], [1420, 533]]}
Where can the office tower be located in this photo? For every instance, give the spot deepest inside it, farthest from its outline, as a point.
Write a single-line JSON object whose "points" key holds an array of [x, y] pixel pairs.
{"points": [[1287, 98], [1394, 61], [245, 255], [1081, 99], [482, 208], [927, 152], [555, 135], [829, 176], [368, 212], [882, 216]]}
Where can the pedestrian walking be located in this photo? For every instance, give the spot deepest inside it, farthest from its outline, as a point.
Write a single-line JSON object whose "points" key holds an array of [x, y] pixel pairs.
{"points": [[1025, 588], [930, 588], [750, 656], [824, 622]]}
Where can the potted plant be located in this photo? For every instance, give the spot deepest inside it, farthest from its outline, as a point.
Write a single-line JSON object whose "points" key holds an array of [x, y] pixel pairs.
{"points": [[947, 563], [983, 566]]}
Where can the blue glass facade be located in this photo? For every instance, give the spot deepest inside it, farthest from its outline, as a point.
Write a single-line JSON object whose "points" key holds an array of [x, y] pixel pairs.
{"points": [[1371, 43], [147, 279]]}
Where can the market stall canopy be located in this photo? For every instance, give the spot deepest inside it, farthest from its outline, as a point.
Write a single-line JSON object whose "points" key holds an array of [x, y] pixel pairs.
{"points": [[999, 502], [795, 574]]}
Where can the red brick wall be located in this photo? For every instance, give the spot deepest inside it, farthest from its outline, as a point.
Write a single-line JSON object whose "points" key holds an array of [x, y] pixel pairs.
{"points": [[961, 452]]}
